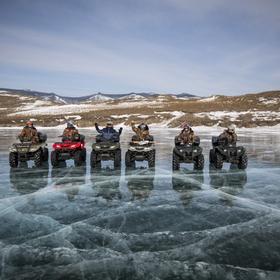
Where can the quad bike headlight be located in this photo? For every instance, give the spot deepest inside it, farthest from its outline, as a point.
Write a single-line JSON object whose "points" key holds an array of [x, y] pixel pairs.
{"points": [[97, 147], [112, 147], [195, 151], [225, 150]]}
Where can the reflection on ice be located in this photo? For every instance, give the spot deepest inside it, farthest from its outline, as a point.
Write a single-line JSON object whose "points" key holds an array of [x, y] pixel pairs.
{"points": [[140, 182], [106, 183]]}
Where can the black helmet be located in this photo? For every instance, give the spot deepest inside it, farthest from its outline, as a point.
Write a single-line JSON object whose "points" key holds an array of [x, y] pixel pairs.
{"points": [[70, 125], [143, 126]]}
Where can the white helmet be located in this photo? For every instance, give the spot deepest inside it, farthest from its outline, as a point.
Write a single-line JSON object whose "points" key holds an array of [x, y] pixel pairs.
{"points": [[231, 128]]}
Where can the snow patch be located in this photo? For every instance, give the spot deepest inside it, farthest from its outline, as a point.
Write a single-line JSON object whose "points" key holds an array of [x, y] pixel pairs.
{"points": [[267, 101], [209, 99]]}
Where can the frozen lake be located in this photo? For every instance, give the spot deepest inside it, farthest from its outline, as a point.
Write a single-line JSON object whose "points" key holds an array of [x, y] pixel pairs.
{"points": [[73, 223]]}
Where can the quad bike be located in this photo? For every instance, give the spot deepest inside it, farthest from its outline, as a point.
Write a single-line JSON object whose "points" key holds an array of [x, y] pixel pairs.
{"points": [[69, 149], [187, 153], [222, 152], [141, 151], [105, 149], [26, 150]]}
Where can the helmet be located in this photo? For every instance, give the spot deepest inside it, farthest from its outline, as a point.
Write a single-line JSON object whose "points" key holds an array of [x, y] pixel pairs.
{"points": [[231, 128], [29, 123], [143, 126], [185, 125], [70, 125]]}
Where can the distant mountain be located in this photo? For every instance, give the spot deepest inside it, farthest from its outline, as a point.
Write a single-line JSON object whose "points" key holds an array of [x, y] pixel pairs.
{"points": [[88, 98]]}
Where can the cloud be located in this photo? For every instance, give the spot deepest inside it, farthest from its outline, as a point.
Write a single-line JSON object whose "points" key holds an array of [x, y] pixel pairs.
{"points": [[138, 47]]}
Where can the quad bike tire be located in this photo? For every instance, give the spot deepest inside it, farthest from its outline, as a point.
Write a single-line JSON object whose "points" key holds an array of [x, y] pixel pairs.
{"points": [[243, 161], [84, 155], [79, 158], [54, 159], [151, 159], [117, 159], [94, 162], [218, 161], [175, 162], [38, 158], [13, 160], [211, 156], [199, 162], [45, 154], [129, 161]]}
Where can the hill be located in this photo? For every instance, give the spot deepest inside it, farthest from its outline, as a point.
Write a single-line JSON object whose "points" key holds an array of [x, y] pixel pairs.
{"points": [[50, 109]]}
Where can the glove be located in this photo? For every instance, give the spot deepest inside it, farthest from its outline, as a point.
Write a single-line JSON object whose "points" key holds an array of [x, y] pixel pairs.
{"points": [[96, 124]]}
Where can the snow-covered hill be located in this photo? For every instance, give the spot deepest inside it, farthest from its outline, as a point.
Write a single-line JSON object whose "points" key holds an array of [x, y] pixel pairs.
{"points": [[49, 109]]}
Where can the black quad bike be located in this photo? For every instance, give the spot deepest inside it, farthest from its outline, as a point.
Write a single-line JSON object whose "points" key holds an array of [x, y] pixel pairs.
{"points": [[222, 152], [141, 151], [26, 150], [187, 153], [106, 149], [69, 149]]}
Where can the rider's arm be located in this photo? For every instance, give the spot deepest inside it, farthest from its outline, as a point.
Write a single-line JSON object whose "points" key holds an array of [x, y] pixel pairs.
{"points": [[120, 131], [134, 128], [97, 128]]}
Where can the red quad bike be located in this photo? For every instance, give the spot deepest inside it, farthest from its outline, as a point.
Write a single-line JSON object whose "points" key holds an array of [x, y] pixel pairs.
{"points": [[69, 149]]}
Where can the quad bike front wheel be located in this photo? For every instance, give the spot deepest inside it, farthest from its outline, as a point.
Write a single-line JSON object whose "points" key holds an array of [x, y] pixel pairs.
{"points": [[54, 159], [199, 162], [243, 161], [117, 159], [151, 159], [218, 161], [129, 161], [38, 158], [13, 160], [45, 154], [79, 158], [211, 156], [175, 162], [94, 162]]}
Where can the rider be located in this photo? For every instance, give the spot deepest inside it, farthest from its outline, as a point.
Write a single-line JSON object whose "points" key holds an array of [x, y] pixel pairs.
{"points": [[70, 132], [229, 135], [142, 131], [108, 132], [29, 133], [186, 135]]}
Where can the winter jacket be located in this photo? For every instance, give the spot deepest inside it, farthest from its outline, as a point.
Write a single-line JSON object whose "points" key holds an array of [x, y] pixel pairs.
{"points": [[109, 133], [186, 136], [29, 134], [141, 134], [69, 133], [230, 137]]}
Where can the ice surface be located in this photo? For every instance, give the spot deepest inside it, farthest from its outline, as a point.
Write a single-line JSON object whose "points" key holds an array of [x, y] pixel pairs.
{"points": [[75, 223]]}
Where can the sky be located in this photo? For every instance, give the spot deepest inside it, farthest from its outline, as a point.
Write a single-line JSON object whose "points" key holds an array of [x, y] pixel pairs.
{"points": [[80, 47]]}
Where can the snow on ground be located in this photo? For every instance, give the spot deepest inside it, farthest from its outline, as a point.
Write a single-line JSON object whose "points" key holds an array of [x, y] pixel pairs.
{"points": [[269, 101], [233, 116], [6, 94], [74, 117], [34, 105], [123, 116], [42, 109], [133, 96], [209, 99], [100, 97]]}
